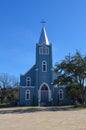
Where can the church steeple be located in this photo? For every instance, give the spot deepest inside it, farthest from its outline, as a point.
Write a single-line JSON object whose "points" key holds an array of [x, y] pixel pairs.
{"points": [[43, 37]]}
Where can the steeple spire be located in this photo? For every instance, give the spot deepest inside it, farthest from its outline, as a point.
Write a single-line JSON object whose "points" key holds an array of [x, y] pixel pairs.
{"points": [[43, 37]]}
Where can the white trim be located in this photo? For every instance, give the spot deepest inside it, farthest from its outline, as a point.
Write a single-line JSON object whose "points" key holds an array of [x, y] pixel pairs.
{"points": [[27, 86], [42, 44], [36, 69], [44, 50], [63, 86], [45, 63], [28, 80], [40, 50], [39, 92], [26, 94], [52, 69]]}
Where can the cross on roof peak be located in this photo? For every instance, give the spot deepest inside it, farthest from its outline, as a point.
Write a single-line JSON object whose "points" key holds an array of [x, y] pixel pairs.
{"points": [[43, 22]]}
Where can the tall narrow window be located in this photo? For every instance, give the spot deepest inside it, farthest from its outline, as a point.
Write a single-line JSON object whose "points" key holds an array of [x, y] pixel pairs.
{"points": [[28, 81], [40, 50], [44, 66], [44, 49], [60, 94], [27, 94], [47, 50]]}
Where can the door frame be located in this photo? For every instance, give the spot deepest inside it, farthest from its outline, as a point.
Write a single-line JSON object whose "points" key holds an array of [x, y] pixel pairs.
{"points": [[39, 92]]}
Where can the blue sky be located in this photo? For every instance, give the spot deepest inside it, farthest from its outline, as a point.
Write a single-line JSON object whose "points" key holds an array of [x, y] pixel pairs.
{"points": [[20, 30]]}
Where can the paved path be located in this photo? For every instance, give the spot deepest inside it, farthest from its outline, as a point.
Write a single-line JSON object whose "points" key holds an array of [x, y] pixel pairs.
{"points": [[23, 118]]}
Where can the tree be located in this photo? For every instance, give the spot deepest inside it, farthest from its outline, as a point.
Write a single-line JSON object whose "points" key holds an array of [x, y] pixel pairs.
{"points": [[4, 80], [8, 83], [7, 80], [74, 92], [72, 72], [12, 94]]}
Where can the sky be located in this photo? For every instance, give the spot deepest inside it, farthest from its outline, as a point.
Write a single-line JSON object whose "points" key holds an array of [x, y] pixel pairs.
{"points": [[20, 30]]}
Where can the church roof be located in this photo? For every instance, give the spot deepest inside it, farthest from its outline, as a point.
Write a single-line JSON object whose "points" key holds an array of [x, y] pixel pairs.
{"points": [[43, 37]]}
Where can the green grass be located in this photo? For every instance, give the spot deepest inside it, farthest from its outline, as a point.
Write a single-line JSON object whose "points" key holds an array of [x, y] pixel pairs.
{"points": [[4, 105], [80, 106]]}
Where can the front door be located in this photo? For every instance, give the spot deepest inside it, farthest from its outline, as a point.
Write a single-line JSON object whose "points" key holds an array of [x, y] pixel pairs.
{"points": [[44, 94]]}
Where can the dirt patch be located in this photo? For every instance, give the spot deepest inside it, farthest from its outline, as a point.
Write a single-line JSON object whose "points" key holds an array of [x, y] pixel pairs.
{"points": [[23, 118]]}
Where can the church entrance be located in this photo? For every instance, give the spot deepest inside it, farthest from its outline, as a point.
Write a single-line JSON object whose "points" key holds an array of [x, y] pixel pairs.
{"points": [[44, 94]]}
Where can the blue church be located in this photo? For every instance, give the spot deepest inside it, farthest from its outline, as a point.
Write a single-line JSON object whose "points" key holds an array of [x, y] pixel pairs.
{"points": [[36, 85]]}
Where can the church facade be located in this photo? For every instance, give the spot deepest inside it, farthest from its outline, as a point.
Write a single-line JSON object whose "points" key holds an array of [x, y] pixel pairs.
{"points": [[36, 85]]}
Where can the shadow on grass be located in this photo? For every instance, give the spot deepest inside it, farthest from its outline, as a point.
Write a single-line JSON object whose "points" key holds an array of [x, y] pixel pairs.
{"points": [[20, 110]]}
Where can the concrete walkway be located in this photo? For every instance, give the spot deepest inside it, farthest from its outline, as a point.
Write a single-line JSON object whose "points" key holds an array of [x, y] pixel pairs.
{"points": [[24, 118]]}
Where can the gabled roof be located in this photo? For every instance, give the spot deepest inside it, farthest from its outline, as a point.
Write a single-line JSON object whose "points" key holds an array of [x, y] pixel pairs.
{"points": [[31, 69], [43, 37]]}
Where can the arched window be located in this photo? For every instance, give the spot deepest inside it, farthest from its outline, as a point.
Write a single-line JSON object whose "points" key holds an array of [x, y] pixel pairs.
{"points": [[44, 66], [44, 87], [27, 94], [60, 94], [28, 81]]}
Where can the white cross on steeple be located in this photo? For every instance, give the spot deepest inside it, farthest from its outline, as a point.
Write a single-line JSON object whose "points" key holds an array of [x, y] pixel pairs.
{"points": [[43, 23]]}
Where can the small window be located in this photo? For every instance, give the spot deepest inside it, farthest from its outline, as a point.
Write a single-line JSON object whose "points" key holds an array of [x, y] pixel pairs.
{"points": [[44, 66], [61, 94], [27, 95], [28, 81]]}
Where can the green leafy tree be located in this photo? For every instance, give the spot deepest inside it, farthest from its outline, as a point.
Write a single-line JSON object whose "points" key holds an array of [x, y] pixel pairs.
{"points": [[72, 72]]}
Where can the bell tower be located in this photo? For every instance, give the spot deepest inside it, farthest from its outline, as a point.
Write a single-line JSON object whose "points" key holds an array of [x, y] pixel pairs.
{"points": [[44, 67]]}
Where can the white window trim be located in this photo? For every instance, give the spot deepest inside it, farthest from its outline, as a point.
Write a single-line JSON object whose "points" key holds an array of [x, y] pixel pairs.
{"points": [[45, 66], [47, 52], [26, 94], [60, 91], [41, 52], [28, 81]]}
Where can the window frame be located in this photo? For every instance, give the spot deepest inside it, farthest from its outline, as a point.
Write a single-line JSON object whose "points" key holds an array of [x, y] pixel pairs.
{"points": [[60, 94], [44, 66], [28, 81], [27, 92], [44, 50]]}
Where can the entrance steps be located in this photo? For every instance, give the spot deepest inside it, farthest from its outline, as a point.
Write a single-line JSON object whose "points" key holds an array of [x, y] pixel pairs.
{"points": [[42, 104]]}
